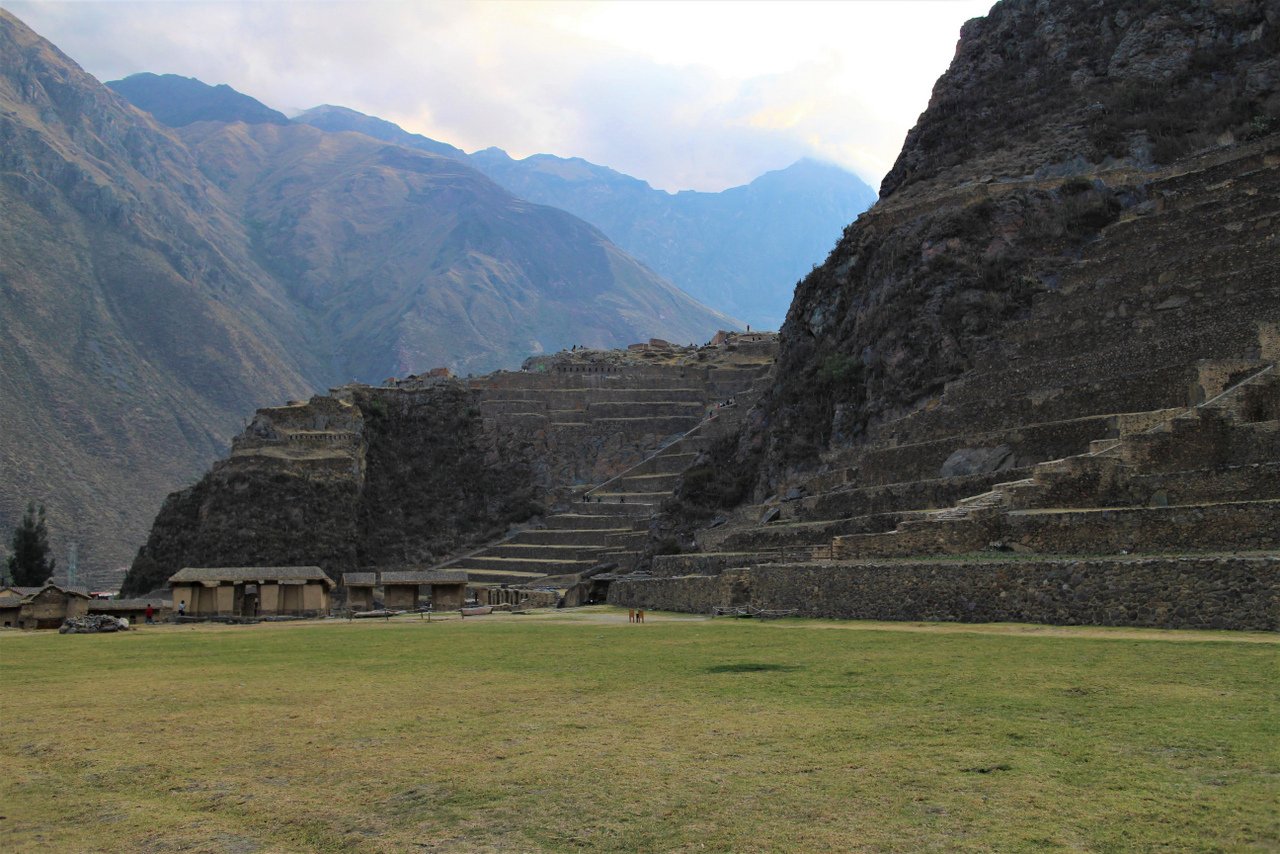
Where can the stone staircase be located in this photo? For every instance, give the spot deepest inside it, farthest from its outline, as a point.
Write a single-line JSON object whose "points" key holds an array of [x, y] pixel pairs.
{"points": [[608, 524]]}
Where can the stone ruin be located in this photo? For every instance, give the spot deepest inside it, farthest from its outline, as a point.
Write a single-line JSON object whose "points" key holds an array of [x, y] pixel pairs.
{"points": [[94, 624]]}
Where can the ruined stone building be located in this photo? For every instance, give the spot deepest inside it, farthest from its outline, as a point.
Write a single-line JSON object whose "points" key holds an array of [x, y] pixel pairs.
{"points": [[251, 591]]}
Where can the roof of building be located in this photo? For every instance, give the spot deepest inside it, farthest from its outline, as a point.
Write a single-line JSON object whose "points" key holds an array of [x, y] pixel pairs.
{"points": [[249, 574], [108, 605], [20, 591], [10, 601], [359, 579], [82, 592], [425, 577]]}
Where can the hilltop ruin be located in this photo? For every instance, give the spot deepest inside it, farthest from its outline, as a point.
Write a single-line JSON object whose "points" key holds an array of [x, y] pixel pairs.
{"points": [[561, 462], [1037, 381]]}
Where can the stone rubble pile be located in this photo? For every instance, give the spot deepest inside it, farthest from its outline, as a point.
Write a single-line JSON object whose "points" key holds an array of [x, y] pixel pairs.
{"points": [[93, 624]]}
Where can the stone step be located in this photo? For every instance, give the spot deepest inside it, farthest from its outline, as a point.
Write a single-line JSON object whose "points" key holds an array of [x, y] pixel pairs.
{"points": [[522, 565], [502, 576], [821, 532], [645, 409], [626, 559], [570, 536], [612, 508], [709, 563], [593, 521], [665, 425], [700, 563], [646, 483], [542, 551], [1108, 530], [1003, 409], [668, 463], [578, 398], [615, 496], [628, 540], [931, 493], [508, 407], [1021, 446]]}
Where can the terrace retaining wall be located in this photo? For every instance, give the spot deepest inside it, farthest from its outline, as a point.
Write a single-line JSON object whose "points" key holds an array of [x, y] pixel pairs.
{"points": [[1240, 593]]}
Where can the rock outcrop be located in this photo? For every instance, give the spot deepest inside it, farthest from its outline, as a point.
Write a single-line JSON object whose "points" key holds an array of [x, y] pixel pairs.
{"points": [[1045, 244], [1037, 381]]}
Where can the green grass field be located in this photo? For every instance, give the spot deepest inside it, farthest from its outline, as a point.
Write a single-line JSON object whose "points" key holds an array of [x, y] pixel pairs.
{"points": [[581, 732]]}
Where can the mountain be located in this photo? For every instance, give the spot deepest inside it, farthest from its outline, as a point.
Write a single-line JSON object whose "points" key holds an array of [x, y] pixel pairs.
{"points": [[178, 101], [338, 119], [741, 249], [412, 260], [137, 328], [157, 285]]}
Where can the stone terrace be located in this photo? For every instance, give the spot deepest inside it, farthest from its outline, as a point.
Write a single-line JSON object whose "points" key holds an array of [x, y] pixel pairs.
{"points": [[1091, 469], [628, 422]]}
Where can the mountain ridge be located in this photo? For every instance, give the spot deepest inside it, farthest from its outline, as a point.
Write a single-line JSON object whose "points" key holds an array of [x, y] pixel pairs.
{"points": [[739, 249], [178, 101]]}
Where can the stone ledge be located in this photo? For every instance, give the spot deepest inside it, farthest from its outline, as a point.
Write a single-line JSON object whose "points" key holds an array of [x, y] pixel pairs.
{"points": [[1221, 592]]}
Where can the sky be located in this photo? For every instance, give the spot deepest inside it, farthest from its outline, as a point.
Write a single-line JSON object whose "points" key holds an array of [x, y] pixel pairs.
{"points": [[683, 94]]}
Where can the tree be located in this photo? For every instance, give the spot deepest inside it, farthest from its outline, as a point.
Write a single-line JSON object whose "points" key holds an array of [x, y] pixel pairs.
{"points": [[29, 563]]}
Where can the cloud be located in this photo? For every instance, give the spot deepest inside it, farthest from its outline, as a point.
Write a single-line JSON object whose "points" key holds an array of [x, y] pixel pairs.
{"points": [[684, 95]]}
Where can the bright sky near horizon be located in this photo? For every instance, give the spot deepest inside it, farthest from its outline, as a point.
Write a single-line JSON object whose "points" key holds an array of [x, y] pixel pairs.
{"points": [[685, 94]]}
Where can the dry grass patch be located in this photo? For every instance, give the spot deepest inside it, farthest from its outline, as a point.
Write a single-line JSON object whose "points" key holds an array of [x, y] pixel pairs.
{"points": [[526, 734]]}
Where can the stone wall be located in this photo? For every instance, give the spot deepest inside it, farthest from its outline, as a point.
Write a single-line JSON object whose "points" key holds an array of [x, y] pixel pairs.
{"points": [[1209, 527], [1240, 593], [1013, 448]]}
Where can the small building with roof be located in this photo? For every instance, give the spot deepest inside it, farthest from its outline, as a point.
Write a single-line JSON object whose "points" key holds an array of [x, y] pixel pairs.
{"points": [[133, 610], [359, 587], [251, 591], [46, 607], [401, 589]]}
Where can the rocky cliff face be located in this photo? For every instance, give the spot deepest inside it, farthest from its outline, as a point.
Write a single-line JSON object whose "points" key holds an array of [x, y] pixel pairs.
{"points": [[1086, 208]]}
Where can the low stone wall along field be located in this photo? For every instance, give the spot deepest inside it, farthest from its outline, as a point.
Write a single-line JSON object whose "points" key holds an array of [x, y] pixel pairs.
{"points": [[1240, 593]]}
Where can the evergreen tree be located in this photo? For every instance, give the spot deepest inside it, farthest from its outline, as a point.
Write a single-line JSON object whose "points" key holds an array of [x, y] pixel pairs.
{"points": [[29, 562]]}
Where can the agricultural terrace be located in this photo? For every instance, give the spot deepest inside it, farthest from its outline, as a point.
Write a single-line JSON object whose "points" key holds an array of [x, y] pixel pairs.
{"points": [[563, 732]]}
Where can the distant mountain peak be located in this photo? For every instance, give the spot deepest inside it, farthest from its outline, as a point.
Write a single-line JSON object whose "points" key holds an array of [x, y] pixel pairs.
{"points": [[741, 249], [334, 118], [179, 101]]}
